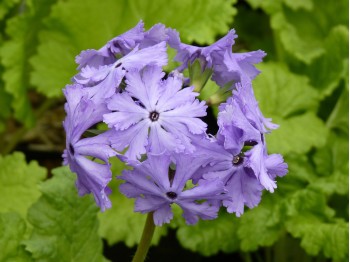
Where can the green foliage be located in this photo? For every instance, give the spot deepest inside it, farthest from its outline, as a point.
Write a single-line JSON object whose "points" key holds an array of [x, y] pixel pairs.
{"points": [[5, 102], [15, 54], [65, 226], [211, 236], [12, 231], [330, 238], [291, 102], [6, 6], [18, 183], [264, 222]]}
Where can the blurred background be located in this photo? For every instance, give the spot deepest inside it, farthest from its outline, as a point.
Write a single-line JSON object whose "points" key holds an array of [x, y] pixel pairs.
{"points": [[303, 87]]}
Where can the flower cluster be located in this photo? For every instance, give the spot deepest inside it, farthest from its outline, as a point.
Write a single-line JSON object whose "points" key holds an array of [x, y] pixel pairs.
{"points": [[155, 124]]}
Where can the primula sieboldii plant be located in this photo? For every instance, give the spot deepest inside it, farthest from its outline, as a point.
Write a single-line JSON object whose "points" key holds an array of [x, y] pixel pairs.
{"points": [[155, 125]]}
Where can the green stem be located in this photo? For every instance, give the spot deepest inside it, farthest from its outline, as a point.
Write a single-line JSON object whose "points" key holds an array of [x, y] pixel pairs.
{"points": [[145, 241]]}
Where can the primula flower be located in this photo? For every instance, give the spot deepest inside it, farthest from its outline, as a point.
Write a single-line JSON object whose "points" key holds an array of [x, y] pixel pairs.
{"points": [[122, 45], [228, 67], [93, 177], [242, 123], [245, 96], [155, 190], [235, 67], [154, 115], [244, 174], [103, 81], [187, 54]]}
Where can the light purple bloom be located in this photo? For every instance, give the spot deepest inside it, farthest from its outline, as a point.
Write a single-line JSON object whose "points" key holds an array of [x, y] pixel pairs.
{"points": [[154, 115], [235, 67], [122, 45], [155, 190], [187, 53], [245, 174], [244, 94], [103, 82], [93, 177], [234, 128]]}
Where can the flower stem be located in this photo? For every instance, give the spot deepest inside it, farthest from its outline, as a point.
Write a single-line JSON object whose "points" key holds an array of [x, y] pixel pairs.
{"points": [[145, 241]]}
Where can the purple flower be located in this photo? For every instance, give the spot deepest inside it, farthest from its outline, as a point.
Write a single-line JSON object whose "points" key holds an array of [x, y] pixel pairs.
{"points": [[122, 45], [93, 177], [156, 187], [244, 95], [234, 128], [102, 82], [244, 174], [154, 115], [187, 53], [235, 67]]}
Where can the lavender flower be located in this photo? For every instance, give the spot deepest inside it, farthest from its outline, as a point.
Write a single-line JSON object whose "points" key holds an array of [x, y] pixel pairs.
{"points": [[228, 68], [235, 67], [244, 174], [187, 53], [154, 115], [93, 177], [104, 80], [156, 190], [246, 106], [122, 45]]}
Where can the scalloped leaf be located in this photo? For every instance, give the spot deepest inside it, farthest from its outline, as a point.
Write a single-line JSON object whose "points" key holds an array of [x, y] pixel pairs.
{"points": [[64, 225], [19, 183]]}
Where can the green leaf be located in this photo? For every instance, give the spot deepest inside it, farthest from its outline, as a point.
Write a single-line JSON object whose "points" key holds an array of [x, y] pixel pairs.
{"points": [[308, 202], [261, 226], [77, 25], [5, 102], [19, 183], [6, 6], [211, 236], [199, 21], [302, 32], [121, 223], [339, 118], [300, 174], [299, 4], [65, 225], [282, 93], [301, 26], [15, 53], [297, 134], [311, 219], [327, 70], [290, 101], [332, 239], [332, 165], [12, 232]]}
